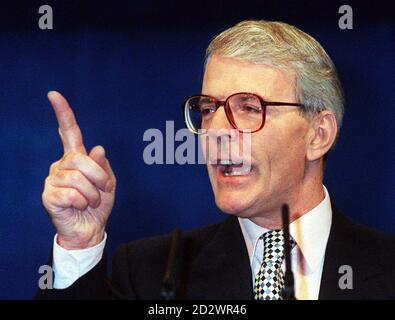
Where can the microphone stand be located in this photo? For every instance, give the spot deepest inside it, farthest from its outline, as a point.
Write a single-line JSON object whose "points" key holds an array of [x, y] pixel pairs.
{"points": [[288, 292], [168, 290]]}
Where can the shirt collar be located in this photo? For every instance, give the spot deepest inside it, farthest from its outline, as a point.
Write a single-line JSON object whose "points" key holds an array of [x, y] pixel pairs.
{"points": [[310, 231]]}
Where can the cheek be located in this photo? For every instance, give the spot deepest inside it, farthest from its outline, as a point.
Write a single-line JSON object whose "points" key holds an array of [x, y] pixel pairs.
{"points": [[280, 149], [204, 146], [266, 147]]}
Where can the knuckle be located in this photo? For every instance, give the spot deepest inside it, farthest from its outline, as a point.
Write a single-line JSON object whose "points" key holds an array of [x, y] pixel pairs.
{"points": [[77, 159], [75, 176], [47, 182], [73, 195], [44, 198], [96, 199], [56, 194], [71, 159], [65, 159], [53, 167], [60, 174], [47, 199]]}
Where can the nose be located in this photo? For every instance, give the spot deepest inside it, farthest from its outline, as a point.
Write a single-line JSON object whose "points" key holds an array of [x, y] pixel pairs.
{"points": [[220, 126], [220, 119]]}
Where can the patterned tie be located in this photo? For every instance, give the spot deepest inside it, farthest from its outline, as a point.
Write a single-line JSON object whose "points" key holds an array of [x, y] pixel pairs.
{"points": [[269, 281]]}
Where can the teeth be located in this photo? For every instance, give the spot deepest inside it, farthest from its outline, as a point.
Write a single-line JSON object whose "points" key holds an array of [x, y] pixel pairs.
{"points": [[225, 162], [236, 171]]}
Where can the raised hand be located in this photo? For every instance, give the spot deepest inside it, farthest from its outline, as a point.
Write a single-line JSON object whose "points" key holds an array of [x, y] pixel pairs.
{"points": [[79, 191]]}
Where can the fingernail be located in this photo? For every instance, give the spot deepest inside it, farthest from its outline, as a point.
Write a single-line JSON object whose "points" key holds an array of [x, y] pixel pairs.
{"points": [[97, 204], [109, 186], [51, 93], [104, 152]]}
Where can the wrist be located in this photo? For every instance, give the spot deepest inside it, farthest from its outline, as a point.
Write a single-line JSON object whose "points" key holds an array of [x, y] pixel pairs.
{"points": [[79, 243]]}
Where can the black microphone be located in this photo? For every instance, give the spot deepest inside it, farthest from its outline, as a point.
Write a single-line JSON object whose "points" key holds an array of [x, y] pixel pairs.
{"points": [[168, 290], [288, 292]]}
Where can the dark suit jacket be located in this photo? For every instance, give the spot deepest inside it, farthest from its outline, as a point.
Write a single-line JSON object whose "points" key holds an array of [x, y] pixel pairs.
{"points": [[213, 263]]}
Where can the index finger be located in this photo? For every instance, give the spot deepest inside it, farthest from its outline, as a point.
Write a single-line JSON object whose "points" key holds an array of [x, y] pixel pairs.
{"points": [[69, 130]]}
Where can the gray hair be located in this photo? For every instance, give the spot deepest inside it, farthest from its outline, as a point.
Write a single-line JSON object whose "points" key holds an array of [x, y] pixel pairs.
{"points": [[284, 46]]}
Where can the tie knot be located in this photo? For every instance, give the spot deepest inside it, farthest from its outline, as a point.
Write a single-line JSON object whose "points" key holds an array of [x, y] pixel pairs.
{"points": [[273, 244]]}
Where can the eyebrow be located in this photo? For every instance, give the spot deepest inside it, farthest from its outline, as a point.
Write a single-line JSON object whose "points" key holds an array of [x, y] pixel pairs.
{"points": [[219, 97], [222, 97]]}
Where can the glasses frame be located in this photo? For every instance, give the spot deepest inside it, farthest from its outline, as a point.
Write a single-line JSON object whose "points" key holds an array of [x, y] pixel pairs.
{"points": [[228, 111]]}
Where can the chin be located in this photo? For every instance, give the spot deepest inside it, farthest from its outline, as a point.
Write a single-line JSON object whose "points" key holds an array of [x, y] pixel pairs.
{"points": [[235, 205]]}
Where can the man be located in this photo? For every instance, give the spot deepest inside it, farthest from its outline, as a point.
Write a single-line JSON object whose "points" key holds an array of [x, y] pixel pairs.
{"points": [[270, 82]]}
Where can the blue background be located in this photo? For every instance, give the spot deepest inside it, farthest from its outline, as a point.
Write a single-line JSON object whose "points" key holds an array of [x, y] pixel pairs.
{"points": [[125, 68]]}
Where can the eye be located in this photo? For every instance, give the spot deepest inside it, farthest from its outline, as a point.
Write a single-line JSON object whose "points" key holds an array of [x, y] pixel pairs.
{"points": [[249, 108], [206, 108]]}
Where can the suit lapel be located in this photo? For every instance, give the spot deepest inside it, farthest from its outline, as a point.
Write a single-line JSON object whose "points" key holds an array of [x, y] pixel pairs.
{"points": [[345, 247], [335, 253], [222, 269]]}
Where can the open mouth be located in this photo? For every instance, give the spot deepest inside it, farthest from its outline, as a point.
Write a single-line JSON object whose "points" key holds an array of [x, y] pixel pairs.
{"points": [[230, 169]]}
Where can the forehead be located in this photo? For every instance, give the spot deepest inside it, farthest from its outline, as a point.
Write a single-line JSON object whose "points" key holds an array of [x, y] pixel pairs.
{"points": [[225, 76]]}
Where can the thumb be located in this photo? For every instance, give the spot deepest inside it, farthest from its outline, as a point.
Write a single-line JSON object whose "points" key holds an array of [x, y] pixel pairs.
{"points": [[98, 154]]}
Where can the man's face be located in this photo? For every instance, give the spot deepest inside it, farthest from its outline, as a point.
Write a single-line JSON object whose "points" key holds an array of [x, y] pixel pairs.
{"points": [[277, 151]]}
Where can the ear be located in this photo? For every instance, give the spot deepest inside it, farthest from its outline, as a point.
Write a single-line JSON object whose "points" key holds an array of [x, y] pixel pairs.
{"points": [[322, 135]]}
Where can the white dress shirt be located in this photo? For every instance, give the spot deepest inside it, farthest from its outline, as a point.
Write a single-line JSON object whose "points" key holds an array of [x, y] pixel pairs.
{"points": [[70, 265], [311, 232]]}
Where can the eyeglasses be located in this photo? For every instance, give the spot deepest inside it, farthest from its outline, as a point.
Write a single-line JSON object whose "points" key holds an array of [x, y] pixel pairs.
{"points": [[245, 111]]}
